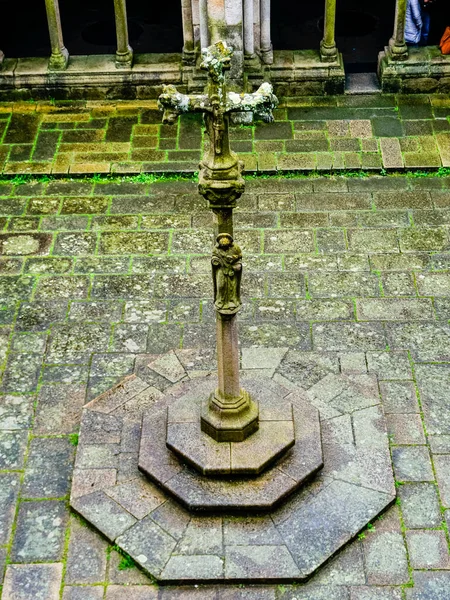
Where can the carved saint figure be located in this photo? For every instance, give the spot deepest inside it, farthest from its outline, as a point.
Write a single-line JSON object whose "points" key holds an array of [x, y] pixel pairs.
{"points": [[227, 272]]}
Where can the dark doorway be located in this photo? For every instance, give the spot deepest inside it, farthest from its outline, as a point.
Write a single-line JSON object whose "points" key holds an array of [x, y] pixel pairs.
{"points": [[362, 29], [89, 27], [23, 28]]}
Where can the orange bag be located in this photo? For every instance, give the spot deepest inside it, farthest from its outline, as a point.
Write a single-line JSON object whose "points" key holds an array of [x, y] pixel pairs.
{"points": [[445, 42]]}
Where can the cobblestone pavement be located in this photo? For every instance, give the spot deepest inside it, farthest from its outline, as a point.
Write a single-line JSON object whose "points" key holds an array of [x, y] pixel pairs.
{"points": [[323, 134], [351, 274]]}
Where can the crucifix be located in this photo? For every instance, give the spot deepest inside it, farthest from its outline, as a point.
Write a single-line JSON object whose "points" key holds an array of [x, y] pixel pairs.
{"points": [[229, 414]]}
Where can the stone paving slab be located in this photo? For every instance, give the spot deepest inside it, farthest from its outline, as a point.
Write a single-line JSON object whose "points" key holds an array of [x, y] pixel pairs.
{"points": [[290, 543], [309, 134], [83, 322]]}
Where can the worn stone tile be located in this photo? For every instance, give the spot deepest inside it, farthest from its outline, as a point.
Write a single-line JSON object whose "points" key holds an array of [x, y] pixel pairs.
{"points": [[346, 569], [432, 381], [104, 513], [428, 549], [348, 336], [430, 585], [39, 582], [86, 558], [310, 591], [56, 288], [40, 530], [394, 309], [412, 463], [426, 341], [442, 466], [150, 544], [385, 557], [49, 468], [375, 593], [95, 311], [59, 408], [13, 445], [37, 316], [82, 592], [345, 284], [15, 412], [9, 490], [259, 560], [405, 429], [75, 342], [399, 397], [134, 592], [21, 372]]}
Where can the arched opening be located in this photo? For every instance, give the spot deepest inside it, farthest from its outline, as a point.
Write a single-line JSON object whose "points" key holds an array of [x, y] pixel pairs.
{"points": [[89, 26], [362, 29], [24, 29]]}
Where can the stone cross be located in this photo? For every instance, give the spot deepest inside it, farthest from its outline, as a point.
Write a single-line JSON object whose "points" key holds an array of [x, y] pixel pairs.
{"points": [[230, 414]]}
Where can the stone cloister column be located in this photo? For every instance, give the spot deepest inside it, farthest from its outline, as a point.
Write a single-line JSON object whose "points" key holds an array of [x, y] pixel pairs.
{"points": [[2, 58], [249, 30], [124, 53], [398, 50], [59, 56], [266, 40], [204, 30], [328, 50], [188, 32]]}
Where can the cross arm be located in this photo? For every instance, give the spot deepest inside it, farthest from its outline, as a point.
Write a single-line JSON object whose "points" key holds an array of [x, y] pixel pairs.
{"points": [[174, 103], [261, 103]]}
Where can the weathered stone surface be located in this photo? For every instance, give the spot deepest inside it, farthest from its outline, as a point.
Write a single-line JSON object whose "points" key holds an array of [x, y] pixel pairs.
{"points": [[171, 544], [40, 582], [40, 532], [86, 559]]}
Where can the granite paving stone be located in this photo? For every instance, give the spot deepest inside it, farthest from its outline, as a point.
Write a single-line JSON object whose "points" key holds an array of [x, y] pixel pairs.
{"points": [[429, 585], [412, 463], [40, 531], [48, 469], [82, 592], [86, 558], [12, 449], [9, 490], [442, 466], [37, 581], [428, 549], [136, 592], [386, 560]]}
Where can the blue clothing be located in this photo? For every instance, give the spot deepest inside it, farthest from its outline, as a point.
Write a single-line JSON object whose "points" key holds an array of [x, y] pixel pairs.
{"points": [[417, 26]]}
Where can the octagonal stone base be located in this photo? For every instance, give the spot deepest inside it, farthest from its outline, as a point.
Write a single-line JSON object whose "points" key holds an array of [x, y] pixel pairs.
{"points": [[213, 494], [286, 545], [229, 425], [186, 438]]}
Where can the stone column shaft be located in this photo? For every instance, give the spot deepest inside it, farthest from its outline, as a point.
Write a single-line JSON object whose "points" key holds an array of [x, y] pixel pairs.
{"points": [[223, 221], [59, 56], [188, 31], [124, 53], [204, 30], [249, 35], [266, 40], [2, 58], [328, 50], [228, 357], [398, 49]]}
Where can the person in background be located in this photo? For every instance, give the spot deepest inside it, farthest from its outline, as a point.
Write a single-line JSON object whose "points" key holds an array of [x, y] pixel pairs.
{"points": [[417, 27]]}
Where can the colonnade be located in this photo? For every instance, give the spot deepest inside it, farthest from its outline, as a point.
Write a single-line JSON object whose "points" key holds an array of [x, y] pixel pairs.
{"points": [[244, 23]]}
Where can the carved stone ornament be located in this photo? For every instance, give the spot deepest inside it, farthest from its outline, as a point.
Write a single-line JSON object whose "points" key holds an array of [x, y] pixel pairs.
{"points": [[227, 273]]}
